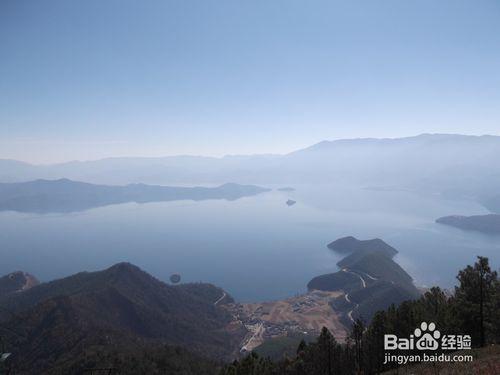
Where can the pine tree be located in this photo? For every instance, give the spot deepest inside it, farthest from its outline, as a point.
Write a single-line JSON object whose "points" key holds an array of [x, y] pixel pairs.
{"points": [[474, 299], [358, 329], [325, 347], [374, 343]]}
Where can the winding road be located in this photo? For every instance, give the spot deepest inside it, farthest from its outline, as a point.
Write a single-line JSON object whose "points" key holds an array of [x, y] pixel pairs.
{"points": [[258, 332], [220, 299], [363, 284]]}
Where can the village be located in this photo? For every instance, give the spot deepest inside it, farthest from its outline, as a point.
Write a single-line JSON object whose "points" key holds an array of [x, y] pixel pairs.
{"points": [[306, 314]]}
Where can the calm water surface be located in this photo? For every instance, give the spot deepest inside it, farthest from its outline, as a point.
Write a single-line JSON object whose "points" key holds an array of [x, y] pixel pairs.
{"points": [[257, 248]]}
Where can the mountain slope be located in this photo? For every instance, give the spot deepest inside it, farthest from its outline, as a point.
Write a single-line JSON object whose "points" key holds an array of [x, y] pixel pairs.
{"points": [[60, 340], [119, 306]]}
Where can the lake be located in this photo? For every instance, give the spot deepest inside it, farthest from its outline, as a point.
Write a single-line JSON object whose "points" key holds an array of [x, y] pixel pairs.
{"points": [[257, 248]]}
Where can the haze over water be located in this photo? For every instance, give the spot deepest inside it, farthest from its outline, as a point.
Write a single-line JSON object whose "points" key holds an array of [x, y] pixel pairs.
{"points": [[256, 248]]}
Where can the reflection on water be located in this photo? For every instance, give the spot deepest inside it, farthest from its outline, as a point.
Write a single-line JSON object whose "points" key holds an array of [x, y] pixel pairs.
{"points": [[257, 248]]}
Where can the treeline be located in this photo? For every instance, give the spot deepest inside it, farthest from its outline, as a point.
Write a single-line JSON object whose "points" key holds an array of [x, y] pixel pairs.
{"points": [[473, 309]]}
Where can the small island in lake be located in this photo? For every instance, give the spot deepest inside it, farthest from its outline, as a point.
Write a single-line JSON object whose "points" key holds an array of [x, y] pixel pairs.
{"points": [[175, 278], [286, 188], [489, 224], [290, 202], [16, 282]]}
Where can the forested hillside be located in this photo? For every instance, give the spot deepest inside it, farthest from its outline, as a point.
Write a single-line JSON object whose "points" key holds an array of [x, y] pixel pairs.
{"points": [[58, 324], [132, 322], [474, 309]]}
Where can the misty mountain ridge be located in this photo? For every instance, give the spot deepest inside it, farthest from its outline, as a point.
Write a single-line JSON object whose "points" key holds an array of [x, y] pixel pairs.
{"points": [[437, 163], [64, 195]]}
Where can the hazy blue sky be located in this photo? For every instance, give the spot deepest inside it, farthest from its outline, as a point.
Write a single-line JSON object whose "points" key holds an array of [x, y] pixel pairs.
{"points": [[92, 78]]}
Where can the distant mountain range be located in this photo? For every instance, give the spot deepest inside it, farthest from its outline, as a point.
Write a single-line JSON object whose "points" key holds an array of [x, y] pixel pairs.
{"points": [[43, 196], [454, 165], [369, 277], [59, 325]]}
